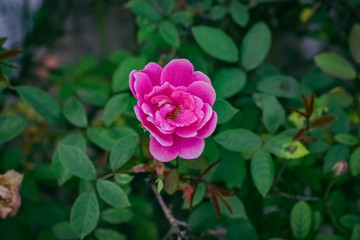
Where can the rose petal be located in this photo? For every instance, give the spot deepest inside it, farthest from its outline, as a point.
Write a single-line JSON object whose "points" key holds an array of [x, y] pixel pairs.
{"points": [[132, 81], [209, 127], [200, 76], [164, 139], [142, 85], [177, 72], [153, 70], [204, 91], [186, 132], [189, 148], [162, 153]]}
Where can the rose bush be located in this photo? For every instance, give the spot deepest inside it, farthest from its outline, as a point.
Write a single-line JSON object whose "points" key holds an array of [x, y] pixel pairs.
{"points": [[175, 105]]}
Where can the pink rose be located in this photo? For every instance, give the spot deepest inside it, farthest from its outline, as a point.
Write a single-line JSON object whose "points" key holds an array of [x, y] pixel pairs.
{"points": [[175, 105]]}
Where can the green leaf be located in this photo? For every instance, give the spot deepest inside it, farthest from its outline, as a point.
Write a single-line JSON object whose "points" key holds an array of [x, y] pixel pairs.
{"points": [[182, 17], [300, 220], [231, 169], [41, 102], [255, 46], [228, 82], [63, 230], [93, 90], [202, 217], [284, 147], [123, 178], [239, 14], [355, 162], [216, 43], [169, 33], [120, 78], [169, 6], [84, 65], [241, 229], [115, 107], [117, 215], [171, 182], [145, 10], [112, 194], [217, 12], [346, 139], [262, 171], [237, 208], [106, 138], [338, 98], [335, 154], [280, 86], [349, 220], [273, 113], [62, 173], [107, 234], [354, 40], [355, 234], [224, 110], [84, 214], [76, 161], [2, 40], [330, 236], [11, 126], [335, 65], [238, 140], [123, 150], [75, 112]]}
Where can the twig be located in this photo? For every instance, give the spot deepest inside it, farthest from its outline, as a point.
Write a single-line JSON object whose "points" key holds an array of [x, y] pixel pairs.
{"points": [[297, 197], [277, 191], [173, 221], [107, 176]]}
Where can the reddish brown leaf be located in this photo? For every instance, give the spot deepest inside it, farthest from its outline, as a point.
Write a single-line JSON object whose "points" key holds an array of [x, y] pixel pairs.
{"points": [[306, 104], [312, 103], [213, 197], [171, 182], [225, 202], [193, 194], [299, 134], [297, 111], [206, 170], [9, 54], [322, 121], [224, 192]]}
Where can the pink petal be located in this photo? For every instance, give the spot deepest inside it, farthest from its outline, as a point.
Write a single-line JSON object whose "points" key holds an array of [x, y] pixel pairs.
{"points": [[209, 127], [204, 91], [164, 139], [189, 148], [132, 81], [165, 89], [153, 70], [186, 132], [177, 72], [208, 112], [162, 153], [200, 76], [142, 85]]}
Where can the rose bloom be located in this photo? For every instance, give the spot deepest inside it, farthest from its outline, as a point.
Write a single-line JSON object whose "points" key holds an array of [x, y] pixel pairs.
{"points": [[174, 104], [10, 200]]}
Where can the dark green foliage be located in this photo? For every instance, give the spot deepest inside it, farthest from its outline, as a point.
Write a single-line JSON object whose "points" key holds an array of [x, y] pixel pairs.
{"points": [[283, 162]]}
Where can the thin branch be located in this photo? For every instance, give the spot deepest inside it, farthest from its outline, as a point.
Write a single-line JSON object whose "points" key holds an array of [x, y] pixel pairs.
{"points": [[172, 220], [297, 197]]}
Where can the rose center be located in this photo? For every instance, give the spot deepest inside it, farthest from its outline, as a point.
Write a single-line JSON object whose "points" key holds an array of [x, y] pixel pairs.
{"points": [[174, 114]]}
